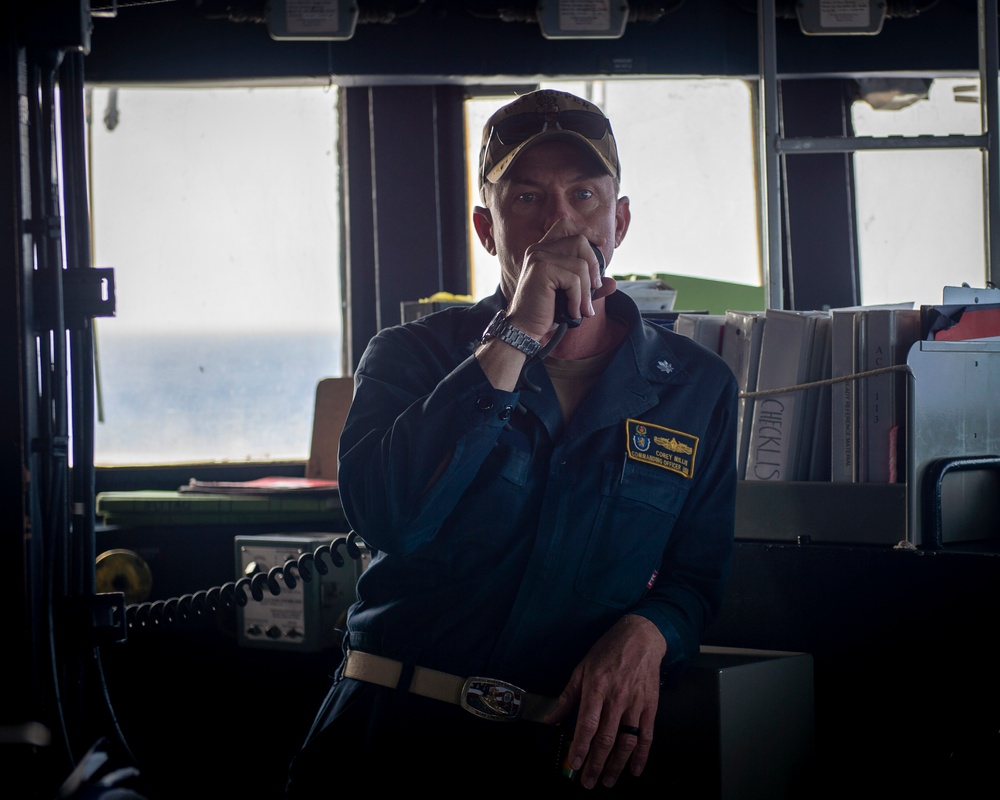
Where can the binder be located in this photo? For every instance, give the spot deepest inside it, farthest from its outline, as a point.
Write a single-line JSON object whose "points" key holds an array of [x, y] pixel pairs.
{"points": [[780, 440], [844, 345], [888, 335], [847, 348], [741, 338], [706, 329]]}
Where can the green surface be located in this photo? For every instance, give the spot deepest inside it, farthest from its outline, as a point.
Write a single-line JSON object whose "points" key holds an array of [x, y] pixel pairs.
{"points": [[715, 297], [189, 508]]}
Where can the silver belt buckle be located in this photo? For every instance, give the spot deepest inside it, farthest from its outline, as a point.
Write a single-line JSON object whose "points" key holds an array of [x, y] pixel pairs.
{"points": [[492, 699]]}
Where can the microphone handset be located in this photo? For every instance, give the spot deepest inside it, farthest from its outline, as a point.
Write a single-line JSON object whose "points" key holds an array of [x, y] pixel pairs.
{"points": [[564, 322], [562, 312]]}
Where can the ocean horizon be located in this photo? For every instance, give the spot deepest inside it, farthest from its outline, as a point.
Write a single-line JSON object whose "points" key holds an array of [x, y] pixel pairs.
{"points": [[168, 398]]}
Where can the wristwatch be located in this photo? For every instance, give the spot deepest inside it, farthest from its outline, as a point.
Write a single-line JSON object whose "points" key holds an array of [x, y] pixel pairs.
{"points": [[500, 328]]}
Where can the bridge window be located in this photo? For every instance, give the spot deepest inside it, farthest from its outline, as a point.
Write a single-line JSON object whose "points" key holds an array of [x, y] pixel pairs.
{"points": [[688, 167], [218, 210], [920, 212]]}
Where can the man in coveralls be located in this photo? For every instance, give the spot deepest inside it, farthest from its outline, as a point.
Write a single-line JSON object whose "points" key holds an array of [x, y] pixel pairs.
{"points": [[549, 501]]}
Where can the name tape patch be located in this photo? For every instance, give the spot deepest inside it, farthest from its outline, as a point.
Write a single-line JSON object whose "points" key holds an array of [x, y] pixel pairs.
{"points": [[661, 447]]}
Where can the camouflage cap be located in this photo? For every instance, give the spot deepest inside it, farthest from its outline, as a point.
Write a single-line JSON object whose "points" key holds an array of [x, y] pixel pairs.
{"points": [[544, 114]]}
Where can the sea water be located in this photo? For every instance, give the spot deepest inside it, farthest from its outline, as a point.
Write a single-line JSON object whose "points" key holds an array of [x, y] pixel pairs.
{"points": [[168, 398]]}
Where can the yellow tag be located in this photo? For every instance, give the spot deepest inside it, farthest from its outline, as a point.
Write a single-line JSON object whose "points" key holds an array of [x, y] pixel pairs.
{"points": [[447, 297], [661, 447]]}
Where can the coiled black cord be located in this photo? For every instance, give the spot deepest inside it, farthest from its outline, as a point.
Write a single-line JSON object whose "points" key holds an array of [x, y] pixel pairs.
{"points": [[238, 593]]}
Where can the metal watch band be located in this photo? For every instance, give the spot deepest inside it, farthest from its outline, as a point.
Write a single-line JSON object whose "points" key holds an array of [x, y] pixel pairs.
{"points": [[501, 329]]}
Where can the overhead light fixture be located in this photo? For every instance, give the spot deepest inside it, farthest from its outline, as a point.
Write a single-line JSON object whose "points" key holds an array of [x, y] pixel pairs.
{"points": [[841, 17], [325, 20], [582, 19]]}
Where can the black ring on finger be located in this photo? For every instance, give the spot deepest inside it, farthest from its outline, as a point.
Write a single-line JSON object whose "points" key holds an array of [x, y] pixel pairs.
{"points": [[628, 729]]}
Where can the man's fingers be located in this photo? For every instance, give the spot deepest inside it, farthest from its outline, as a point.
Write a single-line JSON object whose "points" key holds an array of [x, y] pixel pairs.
{"points": [[628, 751], [597, 764], [621, 752], [641, 753], [643, 745]]}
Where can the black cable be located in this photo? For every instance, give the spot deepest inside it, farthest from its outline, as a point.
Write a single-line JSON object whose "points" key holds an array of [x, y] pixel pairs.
{"points": [[51, 437], [240, 592], [522, 381], [906, 9], [102, 682]]}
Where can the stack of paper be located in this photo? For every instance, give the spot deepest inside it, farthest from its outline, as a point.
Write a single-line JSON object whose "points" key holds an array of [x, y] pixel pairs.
{"points": [[650, 295]]}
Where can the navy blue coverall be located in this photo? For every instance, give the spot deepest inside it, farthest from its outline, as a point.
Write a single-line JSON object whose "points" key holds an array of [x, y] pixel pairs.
{"points": [[508, 541]]}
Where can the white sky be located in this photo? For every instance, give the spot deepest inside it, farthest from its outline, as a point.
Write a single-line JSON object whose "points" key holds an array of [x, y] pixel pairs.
{"points": [[920, 212], [216, 207]]}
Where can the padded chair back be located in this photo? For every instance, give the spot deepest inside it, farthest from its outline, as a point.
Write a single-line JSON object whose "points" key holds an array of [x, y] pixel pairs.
{"points": [[333, 399]]}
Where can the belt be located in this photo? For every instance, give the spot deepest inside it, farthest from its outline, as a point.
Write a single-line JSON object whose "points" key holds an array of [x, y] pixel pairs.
{"points": [[488, 698]]}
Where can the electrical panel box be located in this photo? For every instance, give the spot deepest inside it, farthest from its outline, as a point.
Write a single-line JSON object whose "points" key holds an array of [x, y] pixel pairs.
{"points": [[840, 17], [308, 617], [582, 19], [317, 20]]}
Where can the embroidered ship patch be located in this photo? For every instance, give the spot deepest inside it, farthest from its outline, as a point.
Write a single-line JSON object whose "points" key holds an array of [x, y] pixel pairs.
{"points": [[661, 447]]}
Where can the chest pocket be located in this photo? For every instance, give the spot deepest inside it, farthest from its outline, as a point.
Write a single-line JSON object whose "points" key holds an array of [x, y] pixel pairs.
{"points": [[639, 506], [510, 459]]}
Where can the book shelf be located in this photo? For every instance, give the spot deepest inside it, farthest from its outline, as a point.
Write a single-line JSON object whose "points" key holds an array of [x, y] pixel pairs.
{"points": [[816, 512], [952, 473]]}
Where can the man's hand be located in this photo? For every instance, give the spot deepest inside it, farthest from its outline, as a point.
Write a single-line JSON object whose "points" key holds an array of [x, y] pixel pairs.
{"points": [[617, 684], [562, 260]]}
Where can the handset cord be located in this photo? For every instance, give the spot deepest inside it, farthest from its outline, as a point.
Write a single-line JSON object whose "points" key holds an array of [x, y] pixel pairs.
{"points": [[235, 593], [550, 345]]}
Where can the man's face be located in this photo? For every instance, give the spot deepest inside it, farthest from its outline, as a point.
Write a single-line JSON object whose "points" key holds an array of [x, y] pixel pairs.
{"points": [[551, 181]]}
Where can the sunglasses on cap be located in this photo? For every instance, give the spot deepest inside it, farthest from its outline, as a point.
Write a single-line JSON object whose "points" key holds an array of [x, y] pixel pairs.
{"points": [[516, 129]]}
